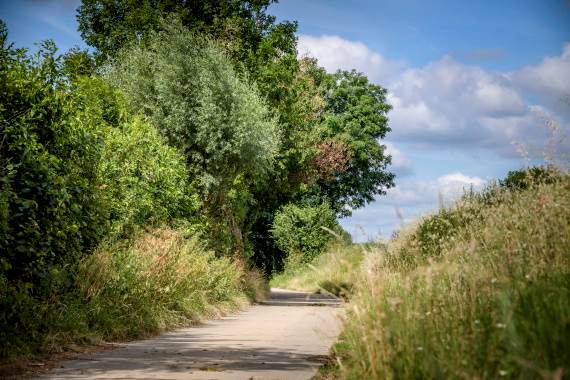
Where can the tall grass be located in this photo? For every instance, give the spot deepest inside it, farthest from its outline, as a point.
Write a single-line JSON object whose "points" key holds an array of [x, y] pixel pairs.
{"points": [[481, 290], [159, 279], [333, 271]]}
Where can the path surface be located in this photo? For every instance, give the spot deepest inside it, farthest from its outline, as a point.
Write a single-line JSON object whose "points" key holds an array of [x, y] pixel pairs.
{"points": [[287, 337]]}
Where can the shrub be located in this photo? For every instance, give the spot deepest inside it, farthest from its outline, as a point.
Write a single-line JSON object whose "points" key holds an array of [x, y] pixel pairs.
{"points": [[300, 231], [161, 278], [525, 178], [145, 180], [51, 207]]}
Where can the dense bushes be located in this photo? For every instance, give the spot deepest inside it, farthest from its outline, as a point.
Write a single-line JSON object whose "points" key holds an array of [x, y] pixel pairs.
{"points": [[77, 169], [52, 208], [302, 231], [162, 277], [492, 301], [144, 180]]}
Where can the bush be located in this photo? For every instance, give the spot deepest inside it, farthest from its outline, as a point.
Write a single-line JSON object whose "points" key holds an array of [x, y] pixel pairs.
{"points": [[145, 181], [301, 231], [51, 206], [525, 178], [160, 279]]}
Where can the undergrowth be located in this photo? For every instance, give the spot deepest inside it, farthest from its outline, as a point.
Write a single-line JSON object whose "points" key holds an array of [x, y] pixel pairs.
{"points": [[159, 279], [481, 290], [333, 271]]}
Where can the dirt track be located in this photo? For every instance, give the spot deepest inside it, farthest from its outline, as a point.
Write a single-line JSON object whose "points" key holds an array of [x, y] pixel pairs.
{"points": [[288, 337]]}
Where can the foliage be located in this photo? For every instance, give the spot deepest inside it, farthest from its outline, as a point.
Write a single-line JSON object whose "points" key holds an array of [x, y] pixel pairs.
{"points": [[492, 302], [523, 179], [144, 180], [355, 115], [324, 154], [160, 279], [109, 26], [190, 91], [301, 231], [51, 206]]}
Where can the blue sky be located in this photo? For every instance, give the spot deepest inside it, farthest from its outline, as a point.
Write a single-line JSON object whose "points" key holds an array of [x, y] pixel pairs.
{"points": [[472, 84]]}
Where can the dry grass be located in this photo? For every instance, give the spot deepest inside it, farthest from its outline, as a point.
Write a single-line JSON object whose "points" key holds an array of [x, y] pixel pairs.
{"points": [[488, 296], [333, 271], [160, 279]]}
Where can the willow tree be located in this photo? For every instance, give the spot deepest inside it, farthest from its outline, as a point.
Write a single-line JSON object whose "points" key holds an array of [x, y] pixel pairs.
{"points": [[191, 92]]}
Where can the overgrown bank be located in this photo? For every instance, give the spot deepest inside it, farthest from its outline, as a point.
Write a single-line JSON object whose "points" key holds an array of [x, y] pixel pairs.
{"points": [[480, 290], [156, 280]]}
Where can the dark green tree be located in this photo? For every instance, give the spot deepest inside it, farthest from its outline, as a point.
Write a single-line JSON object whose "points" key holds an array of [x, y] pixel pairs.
{"points": [[352, 125], [109, 25]]}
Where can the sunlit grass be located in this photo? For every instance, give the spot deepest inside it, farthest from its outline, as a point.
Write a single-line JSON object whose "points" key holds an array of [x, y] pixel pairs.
{"points": [[482, 293], [333, 271], [159, 279]]}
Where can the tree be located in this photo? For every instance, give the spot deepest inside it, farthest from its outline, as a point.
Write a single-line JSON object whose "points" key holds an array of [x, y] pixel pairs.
{"points": [[355, 120], [109, 25], [192, 94]]}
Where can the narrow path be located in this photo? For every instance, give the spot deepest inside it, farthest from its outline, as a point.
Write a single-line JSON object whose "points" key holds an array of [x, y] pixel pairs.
{"points": [[287, 337]]}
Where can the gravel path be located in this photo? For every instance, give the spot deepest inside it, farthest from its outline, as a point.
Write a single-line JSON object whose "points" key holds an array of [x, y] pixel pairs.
{"points": [[287, 337]]}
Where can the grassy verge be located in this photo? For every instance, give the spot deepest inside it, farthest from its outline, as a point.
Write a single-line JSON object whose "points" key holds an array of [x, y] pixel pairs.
{"points": [[160, 279], [481, 290], [333, 271]]}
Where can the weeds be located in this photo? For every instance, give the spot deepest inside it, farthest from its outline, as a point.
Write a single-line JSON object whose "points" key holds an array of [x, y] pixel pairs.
{"points": [[481, 290], [160, 279], [334, 271]]}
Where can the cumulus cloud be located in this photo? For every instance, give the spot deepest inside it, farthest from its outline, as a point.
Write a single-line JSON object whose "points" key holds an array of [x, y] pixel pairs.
{"points": [[550, 80], [408, 200], [448, 103], [416, 193], [336, 53], [551, 76]]}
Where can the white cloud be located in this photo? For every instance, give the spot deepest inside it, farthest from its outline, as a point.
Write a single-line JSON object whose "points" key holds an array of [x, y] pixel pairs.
{"points": [[336, 53], [447, 103], [414, 193], [549, 78]]}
